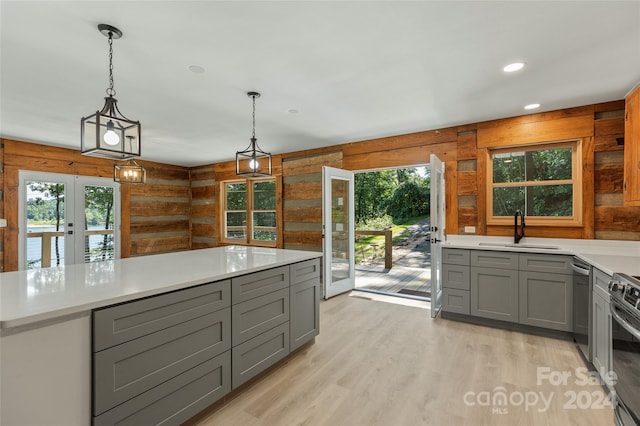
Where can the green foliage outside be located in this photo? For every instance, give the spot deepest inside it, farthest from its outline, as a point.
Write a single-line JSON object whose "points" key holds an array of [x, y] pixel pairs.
{"points": [[531, 167], [399, 193]]}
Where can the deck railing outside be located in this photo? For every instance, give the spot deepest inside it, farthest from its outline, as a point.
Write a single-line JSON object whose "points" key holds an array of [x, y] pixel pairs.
{"points": [[46, 236], [388, 247]]}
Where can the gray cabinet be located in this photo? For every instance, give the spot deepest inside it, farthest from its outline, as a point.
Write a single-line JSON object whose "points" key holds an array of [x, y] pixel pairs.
{"points": [[260, 322], [601, 332], [257, 354], [546, 300], [455, 280], [163, 359], [494, 293], [148, 350], [176, 400], [494, 285], [253, 317], [494, 259], [304, 300]]}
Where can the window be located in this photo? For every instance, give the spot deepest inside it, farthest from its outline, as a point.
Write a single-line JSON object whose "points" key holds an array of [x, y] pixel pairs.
{"points": [[543, 181], [249, 212]]}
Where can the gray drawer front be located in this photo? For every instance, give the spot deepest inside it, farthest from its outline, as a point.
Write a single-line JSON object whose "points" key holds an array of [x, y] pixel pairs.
{"points": [[455, 256], [304, 271], [176, 400], [250, 286], [122, 323], [558, 264], [454, 300], [127, 370], [601, 282], [305, 312], [494, 259], [258, 354], [456, 276], [258, 315]]}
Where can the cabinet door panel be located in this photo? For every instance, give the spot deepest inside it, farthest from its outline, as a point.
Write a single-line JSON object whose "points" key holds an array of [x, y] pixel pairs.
{"points": [[494, 259], [250, 318], [455, 256], [456, 276], [546, 300], [258, 354], [304, 271], [494, 293], [454, 300], [122, 323], [546, 263], [601, 336], [125, 371], [304, 311], [175, 400], [258, 284]]}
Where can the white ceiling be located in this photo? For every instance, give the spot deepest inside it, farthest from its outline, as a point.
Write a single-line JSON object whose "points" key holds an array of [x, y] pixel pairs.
{"points": [[354, 70]]}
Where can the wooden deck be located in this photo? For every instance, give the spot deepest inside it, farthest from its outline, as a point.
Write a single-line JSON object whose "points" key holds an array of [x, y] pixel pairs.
{"points": [[376, 277]]}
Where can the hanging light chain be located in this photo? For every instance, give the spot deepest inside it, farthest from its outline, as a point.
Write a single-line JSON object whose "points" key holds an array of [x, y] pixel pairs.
{"points": [[254, 116], [110, 90]]}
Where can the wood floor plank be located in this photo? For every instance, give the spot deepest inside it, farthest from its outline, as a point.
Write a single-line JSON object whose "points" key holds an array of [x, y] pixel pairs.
{"points": [[377, 363]]}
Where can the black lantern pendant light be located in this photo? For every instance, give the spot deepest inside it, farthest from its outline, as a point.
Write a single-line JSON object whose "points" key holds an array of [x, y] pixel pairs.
{"points": [[108, 133], [253, 162]]}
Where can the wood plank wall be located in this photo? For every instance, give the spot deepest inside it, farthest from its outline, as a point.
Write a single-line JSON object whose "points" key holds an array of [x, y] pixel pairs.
{"points": [[159, 211], [179, 207], [204, 207], [302, 198], [154, 217], [612, 219]]}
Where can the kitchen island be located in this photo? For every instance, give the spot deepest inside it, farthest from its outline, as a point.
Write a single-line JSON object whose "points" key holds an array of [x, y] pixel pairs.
{"points": [[53, 323]]}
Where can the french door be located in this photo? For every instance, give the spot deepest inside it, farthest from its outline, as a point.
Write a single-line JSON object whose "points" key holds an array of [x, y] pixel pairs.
{"points": [[438, 234], [338, 231], [66, 219]]}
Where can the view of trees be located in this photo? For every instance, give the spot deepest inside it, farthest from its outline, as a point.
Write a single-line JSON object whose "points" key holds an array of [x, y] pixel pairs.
{"points": [[399, 193], [532, 168], [48, 208]]}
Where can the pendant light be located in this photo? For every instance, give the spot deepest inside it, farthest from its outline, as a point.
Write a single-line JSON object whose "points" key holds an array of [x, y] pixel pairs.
{"points": [[108, 133], [129, 172], [253, 162]]}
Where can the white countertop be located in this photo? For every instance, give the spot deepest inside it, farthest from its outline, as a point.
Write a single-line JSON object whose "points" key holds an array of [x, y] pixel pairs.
{"points": [[28, 297], [607, 255]]}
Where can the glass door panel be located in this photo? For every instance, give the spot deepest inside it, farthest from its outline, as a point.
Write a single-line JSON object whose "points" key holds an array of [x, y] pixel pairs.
{"points": [[338, 231], [99, 242], [45, 222]]}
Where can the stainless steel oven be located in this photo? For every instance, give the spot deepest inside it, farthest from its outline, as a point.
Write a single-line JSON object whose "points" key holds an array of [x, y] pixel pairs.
{"points": [[582, 306], [625, 361]]}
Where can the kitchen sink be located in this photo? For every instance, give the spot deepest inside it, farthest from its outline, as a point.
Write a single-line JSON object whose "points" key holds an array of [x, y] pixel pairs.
{"points": [[531, 246]]}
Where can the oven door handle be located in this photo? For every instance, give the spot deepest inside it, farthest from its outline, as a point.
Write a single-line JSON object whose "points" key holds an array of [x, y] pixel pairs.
{"points": [[579, 269], [623, 322]]}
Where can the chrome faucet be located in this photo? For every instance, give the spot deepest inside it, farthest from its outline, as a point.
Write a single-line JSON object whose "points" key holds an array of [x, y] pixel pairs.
{"points": [[517, 236]]}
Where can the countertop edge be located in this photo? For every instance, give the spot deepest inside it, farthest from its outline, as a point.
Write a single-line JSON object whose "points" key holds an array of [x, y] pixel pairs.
{"points": [[43, 319]]}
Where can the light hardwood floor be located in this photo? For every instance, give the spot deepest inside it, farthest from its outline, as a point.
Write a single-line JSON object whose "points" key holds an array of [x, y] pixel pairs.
{"points": [[377, 363]]}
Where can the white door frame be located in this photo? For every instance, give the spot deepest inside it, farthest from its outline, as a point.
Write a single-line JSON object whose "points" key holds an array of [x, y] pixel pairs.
{"points": [[74, 210], [334, 288], [438, 231]]}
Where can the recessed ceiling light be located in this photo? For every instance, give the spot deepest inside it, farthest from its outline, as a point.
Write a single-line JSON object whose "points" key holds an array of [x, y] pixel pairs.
{"points": [[516, 66], [532, 106], [196, 69]]}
